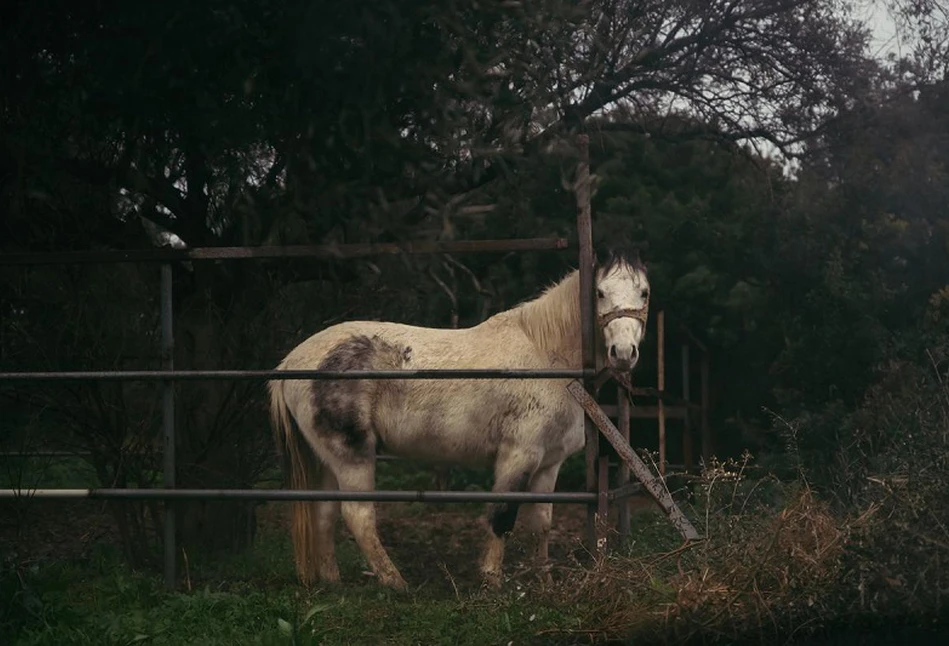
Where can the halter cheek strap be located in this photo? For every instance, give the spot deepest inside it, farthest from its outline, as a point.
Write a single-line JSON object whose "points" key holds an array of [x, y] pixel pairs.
{"points": [[640, 314]]}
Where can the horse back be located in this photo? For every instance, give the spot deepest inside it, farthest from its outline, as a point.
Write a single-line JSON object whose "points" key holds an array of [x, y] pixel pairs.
{"points": [[449, 420]]}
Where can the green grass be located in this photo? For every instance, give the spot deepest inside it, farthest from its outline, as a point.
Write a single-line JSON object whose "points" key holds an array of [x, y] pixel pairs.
{"points": [[754, 577], [86, 605], [253, 598]]}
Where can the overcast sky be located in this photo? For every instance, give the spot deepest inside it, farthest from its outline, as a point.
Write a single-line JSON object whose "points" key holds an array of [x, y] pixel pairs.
{"points": [[880, 21]]}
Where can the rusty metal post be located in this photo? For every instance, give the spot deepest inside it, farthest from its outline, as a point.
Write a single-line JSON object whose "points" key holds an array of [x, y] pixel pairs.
{"points": [[168, 425], [655, 485], [623, 470], [602, 500], [588, 339], [707, 448], [687, 421], [661, 385]]}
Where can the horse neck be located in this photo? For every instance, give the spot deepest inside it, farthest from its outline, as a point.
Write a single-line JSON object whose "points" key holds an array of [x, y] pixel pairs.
{"points": [[552, 320]]}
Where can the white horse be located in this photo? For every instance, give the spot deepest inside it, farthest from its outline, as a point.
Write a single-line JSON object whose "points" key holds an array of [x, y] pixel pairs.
{"points": [[330, 431]]}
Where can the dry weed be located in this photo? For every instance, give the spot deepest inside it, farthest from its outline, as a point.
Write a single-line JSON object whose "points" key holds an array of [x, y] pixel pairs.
{"points": [[760, 578]]}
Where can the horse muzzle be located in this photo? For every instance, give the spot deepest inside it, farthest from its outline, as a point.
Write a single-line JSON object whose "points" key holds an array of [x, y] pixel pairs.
{"points": [[623, 357]]}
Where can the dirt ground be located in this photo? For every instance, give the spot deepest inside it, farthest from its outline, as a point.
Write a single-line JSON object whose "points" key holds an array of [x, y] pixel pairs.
{"points": [[39, 530], [418, 537]]}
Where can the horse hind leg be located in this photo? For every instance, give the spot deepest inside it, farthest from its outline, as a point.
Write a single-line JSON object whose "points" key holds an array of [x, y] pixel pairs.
{"points": [[360, 518], [347, 460], [346, 441], [325, 515]]}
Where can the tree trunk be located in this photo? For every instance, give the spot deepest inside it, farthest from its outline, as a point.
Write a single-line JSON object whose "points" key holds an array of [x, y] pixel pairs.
{"points": [[212, 450]]}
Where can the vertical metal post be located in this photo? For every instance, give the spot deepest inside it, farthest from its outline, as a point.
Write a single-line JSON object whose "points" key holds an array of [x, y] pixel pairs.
{"points": [[687, 420], [587, 336], [661, 357], [602, 500], [168, 424], [623, 415], [707, 448]]}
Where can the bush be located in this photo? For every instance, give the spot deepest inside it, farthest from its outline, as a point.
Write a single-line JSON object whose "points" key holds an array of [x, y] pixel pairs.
{"points": [[782, 558], [901, 442]]}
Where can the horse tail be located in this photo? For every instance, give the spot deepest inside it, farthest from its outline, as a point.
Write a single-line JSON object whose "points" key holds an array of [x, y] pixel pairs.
{"points": [[304, 469]]}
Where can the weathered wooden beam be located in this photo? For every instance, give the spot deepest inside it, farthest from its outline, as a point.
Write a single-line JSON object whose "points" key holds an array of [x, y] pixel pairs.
{"points": [[332, 251]]}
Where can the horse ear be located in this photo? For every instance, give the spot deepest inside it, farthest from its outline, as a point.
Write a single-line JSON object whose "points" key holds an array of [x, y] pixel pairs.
{"points": [[597, 258]]}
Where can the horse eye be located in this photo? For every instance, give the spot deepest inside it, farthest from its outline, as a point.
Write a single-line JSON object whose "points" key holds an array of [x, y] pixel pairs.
{"points": [[599, 293]]}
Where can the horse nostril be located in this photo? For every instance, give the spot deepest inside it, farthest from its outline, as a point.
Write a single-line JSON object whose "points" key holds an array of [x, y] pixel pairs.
{"points": [[613, 351], [635, 352]]}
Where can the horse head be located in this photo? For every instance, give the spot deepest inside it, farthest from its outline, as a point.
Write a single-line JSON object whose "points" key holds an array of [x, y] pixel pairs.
{"points": [[622, 307]]}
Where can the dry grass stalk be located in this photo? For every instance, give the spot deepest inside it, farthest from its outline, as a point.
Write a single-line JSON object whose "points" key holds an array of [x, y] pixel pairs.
{"points": [[753, 578]]}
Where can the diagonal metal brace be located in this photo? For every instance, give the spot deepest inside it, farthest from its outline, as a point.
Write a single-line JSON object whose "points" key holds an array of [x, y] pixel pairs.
{"points": [[653, 484]]}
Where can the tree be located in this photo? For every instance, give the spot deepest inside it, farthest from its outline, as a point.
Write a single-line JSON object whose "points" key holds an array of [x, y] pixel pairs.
{"points": [[347, 121], [924, 24]]}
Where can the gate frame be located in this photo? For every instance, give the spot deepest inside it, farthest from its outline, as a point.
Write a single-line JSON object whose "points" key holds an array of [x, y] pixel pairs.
{"points": [[598, 494]]}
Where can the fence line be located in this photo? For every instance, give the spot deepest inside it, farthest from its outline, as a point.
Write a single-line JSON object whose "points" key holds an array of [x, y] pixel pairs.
{"points": [[596, 497], [167, 376], [300, 495]]}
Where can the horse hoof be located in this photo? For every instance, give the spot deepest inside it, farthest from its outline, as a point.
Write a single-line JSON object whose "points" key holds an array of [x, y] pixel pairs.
{"points": [[397, 583], [491, 579], [329, 575]]}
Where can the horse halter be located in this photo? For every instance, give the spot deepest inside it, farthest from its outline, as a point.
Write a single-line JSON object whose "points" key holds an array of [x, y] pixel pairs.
{"points": [[640, 314]]}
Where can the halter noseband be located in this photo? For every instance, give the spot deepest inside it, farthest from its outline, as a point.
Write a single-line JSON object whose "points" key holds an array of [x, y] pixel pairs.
{"points": [[640, 314], [605, 374]]}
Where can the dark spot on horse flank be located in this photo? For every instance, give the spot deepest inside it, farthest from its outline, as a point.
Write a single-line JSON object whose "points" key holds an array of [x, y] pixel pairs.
{"points": [[342, 405], [503, 515], [352, 354]]}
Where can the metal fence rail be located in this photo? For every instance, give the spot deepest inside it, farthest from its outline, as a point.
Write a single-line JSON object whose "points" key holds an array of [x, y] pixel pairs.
{"points": [[260, 375], [300, 495]]}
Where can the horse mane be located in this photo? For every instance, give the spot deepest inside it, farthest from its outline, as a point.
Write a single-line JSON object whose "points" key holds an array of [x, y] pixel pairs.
{"points": [[552, 320], [622, 256]]}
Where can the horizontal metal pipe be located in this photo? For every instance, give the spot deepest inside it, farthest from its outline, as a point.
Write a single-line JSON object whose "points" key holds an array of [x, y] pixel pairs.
{"points": [[44, 454], [287, 494], [340, 251], [260, 375], [13, 455], [625, 491], [677, 469]]}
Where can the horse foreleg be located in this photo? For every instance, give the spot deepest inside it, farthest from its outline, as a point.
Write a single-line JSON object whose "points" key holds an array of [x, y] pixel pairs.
{"points": [[512, 473], [538, 516], [360, 518]]}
